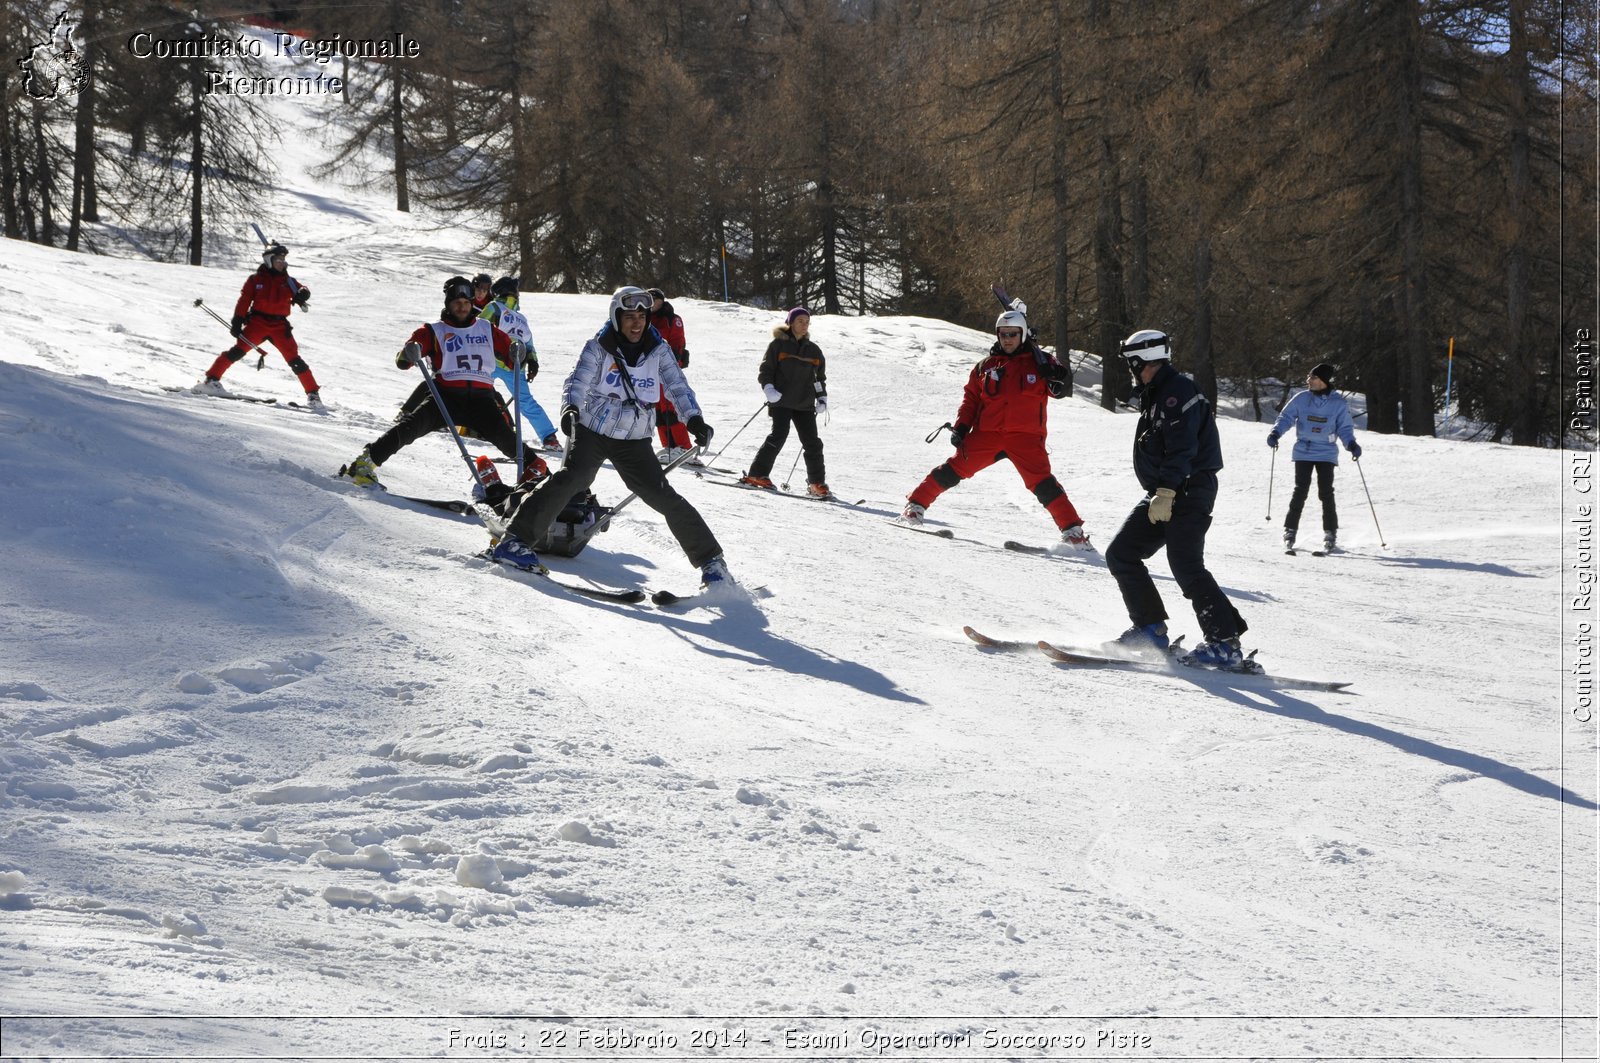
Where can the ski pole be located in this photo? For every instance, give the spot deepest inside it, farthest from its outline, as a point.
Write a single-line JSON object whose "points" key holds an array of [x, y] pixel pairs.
{"points": [[935, 433], [1270, 477], [518, 382], [449, 421], [1370, 506], [201, 303], [792, 468], [729, 443]]}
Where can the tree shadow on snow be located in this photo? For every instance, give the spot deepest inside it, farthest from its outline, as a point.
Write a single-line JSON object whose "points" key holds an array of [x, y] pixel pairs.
{"points": [[1282, 703], [741, 630]]}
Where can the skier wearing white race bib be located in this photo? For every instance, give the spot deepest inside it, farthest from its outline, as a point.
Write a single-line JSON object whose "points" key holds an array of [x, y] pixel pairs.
{"points": [[609, 412], [503, 313], [462, 350]]}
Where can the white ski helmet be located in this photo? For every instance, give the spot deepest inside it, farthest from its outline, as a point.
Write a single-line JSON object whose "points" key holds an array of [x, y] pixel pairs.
{"points": [[629, 297], [1012, 319], [1146, 345]]}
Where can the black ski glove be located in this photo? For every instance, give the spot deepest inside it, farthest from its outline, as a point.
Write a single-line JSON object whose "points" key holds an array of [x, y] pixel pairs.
{"points": [[530, 367], [569, 420], [236, 326], [701, 431], [958, 434], [302, 297], [1056, 379], [409, 355], [683, 358]]}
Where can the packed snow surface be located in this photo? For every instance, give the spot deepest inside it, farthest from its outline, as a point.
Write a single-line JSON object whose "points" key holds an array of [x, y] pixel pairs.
{"points": [[288, 770]]}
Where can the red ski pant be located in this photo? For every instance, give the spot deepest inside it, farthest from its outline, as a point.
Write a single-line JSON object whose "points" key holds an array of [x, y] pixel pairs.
{"points": [[258, 330], [1026, 453], [668, 427]]}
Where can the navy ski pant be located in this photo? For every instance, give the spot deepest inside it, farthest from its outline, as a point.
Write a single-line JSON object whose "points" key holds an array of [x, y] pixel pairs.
{"points": [[1184, 538]]}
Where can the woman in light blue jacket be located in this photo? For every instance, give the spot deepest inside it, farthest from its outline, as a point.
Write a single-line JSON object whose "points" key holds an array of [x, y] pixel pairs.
{"points": [[1321, 419]]}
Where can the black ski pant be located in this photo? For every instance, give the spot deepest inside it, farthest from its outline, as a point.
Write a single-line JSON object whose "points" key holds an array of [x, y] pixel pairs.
{"points": [[1184, 538], [635, 461], [1302, 487], [479, 409], [805, 424]]}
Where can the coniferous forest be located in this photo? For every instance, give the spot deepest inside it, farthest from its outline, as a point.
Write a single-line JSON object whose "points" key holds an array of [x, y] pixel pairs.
{"points": [[1271, 181]]}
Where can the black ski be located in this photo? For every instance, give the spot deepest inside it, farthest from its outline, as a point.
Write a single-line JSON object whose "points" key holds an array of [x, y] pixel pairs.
{"points": [[1250, 668], [780, 493], [260, 400], [627, 597], [451, 504], [666, 599], [1005, 645], [943, 533]]}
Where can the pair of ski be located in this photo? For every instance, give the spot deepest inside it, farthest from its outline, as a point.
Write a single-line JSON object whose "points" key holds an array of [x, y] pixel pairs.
{"points": [[260, 400], [1089, 556], [629, 596], [451, 505], [1106, 658], [1291, 551], [777, 492]]}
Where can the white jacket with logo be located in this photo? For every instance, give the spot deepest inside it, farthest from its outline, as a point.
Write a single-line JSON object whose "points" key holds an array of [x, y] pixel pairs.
{"points": [[619, 400]]}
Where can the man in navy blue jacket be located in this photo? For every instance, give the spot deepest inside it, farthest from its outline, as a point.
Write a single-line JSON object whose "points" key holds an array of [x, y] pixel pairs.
{"points": [[1176, 456]]}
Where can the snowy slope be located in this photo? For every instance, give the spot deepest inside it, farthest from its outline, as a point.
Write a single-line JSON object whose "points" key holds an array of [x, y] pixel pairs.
{"points": [[275, 747]]}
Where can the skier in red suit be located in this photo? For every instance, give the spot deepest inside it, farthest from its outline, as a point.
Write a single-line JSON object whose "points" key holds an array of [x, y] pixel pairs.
{"points": [[665, 320], [261, 314], [1003, 415]]}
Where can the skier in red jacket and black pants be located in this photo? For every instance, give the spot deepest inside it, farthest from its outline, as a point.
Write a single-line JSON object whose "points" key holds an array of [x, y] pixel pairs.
{"points": [[462, 350], [1003, 415], [665, 320], [262, 313]]}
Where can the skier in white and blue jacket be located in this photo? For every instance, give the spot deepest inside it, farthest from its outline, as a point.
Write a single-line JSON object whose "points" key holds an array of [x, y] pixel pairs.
{"points": [[1321, 419], [609, 413]]}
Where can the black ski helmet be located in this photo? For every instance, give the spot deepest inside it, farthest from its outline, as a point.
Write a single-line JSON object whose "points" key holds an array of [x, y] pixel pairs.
{"points": [[505, 286], [273, 252], [457, 288], [482, 279]]}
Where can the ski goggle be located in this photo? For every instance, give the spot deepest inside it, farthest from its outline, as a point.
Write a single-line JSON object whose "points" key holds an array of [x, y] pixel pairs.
{"points": [[458, 291], [1009, 333], [636, 301]]}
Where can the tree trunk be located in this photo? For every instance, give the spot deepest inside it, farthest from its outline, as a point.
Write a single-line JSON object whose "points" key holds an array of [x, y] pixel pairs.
{"points": [[85, 203], [8, 170], [828, 215], [1111, 305], [197, 168], [1139, 250], [1521, 352], [1205, 366], [1058, 191], [1417, 396], [45, 177], [397, 130]]}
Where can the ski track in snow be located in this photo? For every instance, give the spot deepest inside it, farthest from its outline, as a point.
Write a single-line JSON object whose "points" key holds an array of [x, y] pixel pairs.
{"points": [[271, 748]]}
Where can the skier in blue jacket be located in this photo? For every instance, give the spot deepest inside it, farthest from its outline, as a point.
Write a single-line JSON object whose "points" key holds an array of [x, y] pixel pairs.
{"points": [[1321, 419]]}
